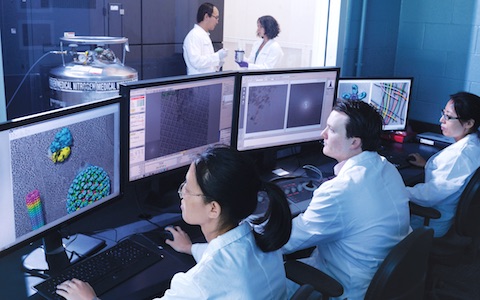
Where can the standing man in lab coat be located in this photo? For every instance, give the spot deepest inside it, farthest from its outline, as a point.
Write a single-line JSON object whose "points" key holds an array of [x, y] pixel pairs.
{"points": [[198, 49], [355, 218]]}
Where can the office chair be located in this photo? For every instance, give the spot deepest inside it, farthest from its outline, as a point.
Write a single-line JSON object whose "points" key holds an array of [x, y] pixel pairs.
{"points": [[460, 244], [306, 292], [401, 275], [465, 231]]}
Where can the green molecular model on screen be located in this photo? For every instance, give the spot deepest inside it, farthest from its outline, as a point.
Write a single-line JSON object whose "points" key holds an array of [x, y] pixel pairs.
{"points": [[90, 185]]}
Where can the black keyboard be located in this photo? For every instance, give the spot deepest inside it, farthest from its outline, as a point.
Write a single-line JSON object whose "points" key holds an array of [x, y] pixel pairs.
{"points": [[399, 161], [104, 270]]}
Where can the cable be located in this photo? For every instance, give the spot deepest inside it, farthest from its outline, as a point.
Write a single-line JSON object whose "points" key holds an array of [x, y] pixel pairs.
{"points": [[115, 231], [28, 72], [153, 223], [143, 215], [313, 172]]}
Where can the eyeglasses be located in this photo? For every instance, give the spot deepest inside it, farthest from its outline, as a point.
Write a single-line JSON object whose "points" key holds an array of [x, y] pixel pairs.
{"points": [[181, 193], [447, 117], [216, 17]]}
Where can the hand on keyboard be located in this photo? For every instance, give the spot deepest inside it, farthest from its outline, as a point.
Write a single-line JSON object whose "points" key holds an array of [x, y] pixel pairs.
{"points": [[76, 289], [105, 270]]}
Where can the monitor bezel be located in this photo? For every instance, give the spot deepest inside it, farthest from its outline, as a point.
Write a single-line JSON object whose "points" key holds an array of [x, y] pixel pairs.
{"points": [[64, 222], [279, 72], [400, 78]]}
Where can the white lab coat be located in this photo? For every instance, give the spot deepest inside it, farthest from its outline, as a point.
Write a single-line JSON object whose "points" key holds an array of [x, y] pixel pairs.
{"points": [[198, 52], [446, 175], [354, 220], [232, 267], [269, 56]]}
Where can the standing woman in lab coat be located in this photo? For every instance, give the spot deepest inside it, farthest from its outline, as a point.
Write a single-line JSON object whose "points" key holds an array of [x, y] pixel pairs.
{"points": [[448, 171], [266, 53], [219, 193]]}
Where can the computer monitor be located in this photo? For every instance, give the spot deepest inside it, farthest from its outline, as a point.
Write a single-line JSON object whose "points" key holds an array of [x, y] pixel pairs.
{"points": [[172, 119], [284, 107], [391, 96], [54, 168]]}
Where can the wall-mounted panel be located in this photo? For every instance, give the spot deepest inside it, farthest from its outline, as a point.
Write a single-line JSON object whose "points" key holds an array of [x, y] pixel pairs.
{"points": [[158, 21], [163, 61]]}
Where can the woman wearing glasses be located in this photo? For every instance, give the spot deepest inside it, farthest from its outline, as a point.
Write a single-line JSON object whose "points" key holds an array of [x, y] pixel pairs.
{"points": [[448, 171], [219, 193]]}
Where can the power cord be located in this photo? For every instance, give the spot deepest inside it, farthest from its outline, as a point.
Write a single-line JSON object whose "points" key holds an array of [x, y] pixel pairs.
{"points": [[28, 72], [313, 172]]}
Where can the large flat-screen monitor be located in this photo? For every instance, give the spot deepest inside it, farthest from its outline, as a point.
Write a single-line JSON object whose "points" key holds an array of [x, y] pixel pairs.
{"points": [[171, 120], [284, 107], [391, 96], [56, 166]]}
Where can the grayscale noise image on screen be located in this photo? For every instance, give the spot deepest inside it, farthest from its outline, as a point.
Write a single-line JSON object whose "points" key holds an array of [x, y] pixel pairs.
{"points": [[266, 103], [304, 107], [284, 107], [181, 119], [171, 121]]}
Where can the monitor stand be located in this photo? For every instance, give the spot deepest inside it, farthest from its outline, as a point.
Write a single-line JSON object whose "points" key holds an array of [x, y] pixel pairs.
{"points": [[58, 253], [164, 202]]}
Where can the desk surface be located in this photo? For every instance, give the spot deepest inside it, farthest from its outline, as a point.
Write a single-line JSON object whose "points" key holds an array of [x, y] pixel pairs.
{"points": [[410, 175], [154, 280]]}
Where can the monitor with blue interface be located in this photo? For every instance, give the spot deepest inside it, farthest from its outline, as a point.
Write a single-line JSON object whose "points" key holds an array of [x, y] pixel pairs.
{"points": [[284, 107], [173, 119], [391, 96], [55, 166]]}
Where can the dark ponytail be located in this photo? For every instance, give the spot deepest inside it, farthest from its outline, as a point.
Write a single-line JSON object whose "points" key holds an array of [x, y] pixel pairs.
{"points": [[231, 178], [278, 220]]}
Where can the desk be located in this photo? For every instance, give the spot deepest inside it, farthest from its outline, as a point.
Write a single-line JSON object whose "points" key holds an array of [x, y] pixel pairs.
{"points": [[145, 285], [411, 175], [156, 279], [314, 156]]}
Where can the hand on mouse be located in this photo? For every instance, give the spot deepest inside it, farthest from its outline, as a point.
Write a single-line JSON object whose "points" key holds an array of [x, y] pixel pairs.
{"points": [[181, 241], [416, 160]]}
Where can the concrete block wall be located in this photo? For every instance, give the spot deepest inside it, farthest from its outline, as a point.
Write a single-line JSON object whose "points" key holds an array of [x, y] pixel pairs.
{"points": [[439, 45]]}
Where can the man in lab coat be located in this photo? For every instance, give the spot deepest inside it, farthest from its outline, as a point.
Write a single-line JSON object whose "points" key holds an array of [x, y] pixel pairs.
{"points": [[355, 218], [198, 49]]}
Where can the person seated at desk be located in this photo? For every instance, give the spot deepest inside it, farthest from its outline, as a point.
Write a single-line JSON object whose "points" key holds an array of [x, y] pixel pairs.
{"points": [[448, 171], [219, 192], [355, 218]]}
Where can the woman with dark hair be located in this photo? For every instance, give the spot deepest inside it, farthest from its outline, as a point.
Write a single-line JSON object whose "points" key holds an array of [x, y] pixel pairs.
{"points": [[448, 171], [266, 53], [219, 193]]}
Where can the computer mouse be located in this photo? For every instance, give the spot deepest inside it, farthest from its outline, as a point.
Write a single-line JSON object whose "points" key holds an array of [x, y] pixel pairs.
{"points": [[411, 158], [166, 235]]}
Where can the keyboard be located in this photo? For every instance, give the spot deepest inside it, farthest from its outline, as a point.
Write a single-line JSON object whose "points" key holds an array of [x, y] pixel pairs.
{"points": [[105, 270], [399, 161]]}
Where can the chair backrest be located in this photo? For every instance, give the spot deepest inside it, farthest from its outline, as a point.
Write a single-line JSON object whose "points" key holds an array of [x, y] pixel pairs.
{"points": [[467, 217], [403, 272], [306, 292]]}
